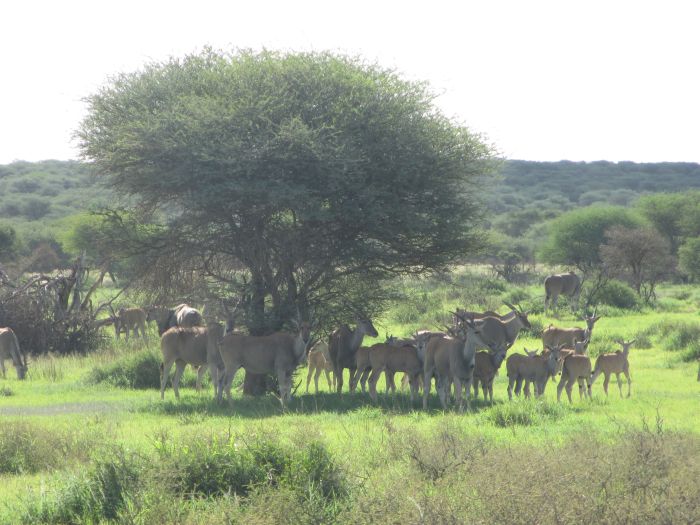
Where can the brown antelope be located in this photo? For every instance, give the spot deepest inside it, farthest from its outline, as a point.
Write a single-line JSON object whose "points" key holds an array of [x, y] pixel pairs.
{"points": [[319, 361], [531, 368], [361, 373], [451, 359], [485, 370], [576, 367], [182, 315], [496, 332], [9, 349], [387, 358], [342, 347], [552, 335], [562, 284], [279, 353], [196, 346], [617, 363], [130, 319]]}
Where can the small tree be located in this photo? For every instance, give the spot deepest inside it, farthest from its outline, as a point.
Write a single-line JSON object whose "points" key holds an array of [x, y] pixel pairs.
{"points": [[642, 255], [574, 239]]}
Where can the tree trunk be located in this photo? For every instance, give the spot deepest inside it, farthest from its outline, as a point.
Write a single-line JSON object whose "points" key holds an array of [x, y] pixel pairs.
{"points": [[257, 384]]}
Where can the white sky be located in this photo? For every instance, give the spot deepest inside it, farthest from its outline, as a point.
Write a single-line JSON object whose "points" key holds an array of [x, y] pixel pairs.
{"points": [[543, 80]]}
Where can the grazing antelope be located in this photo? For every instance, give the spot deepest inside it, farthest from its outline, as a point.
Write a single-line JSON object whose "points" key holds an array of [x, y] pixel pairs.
{"points": [[9, 349], [196, 346], [552, 335], [531, 368], [319, 361], [279, 353], [562, 284], [576, 366], [342, 347], [617, 363], [130, 319]]}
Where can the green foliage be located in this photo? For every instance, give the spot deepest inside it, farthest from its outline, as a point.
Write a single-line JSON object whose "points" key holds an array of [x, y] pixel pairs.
{"points": [[575, 237], [524, 413], [9, 244], [618, 294], [336, 166], [673, 214], [689, 258], [136, 370], [27, 447]]}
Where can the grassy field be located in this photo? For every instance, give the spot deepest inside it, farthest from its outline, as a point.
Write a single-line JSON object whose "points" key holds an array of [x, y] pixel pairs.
{"points": [[79, 444]]}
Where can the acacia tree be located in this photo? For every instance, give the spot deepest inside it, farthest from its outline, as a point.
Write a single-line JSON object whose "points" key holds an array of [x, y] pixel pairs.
{"points": [[291, 179], [642, 255], [574, 239]]}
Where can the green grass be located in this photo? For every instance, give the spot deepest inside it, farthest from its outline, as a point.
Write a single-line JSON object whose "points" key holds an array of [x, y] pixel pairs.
{"points": [[76, 425]]}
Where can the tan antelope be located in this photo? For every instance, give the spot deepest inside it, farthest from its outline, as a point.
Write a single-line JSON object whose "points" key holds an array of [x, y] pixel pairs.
{"points": [[342, 347], [362, 370], [9, 349], [502, 331], [197, 346], [552, 335], [617, 363], [387, 358], [568, 284], [531, 368], [133, 319], [279, 353], [364, 367], [451, 360], [319, 361], [576, 367], [485, 370]]}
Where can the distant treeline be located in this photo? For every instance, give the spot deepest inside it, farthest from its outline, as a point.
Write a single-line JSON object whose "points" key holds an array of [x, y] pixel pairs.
{"points": [[51, 189], [572, 184]]}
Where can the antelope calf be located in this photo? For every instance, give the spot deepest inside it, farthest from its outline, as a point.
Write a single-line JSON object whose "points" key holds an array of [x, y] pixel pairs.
{"points": [[617, 363], [133, 319], [531, 368], [485, 370], [384, 357], [319, 361], [575, 367]]}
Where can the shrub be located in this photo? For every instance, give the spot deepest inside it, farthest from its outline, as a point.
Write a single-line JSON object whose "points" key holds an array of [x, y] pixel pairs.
{"points": [[27, 448], [525, 413], [618, 294], [137, 370], [96, 497]]}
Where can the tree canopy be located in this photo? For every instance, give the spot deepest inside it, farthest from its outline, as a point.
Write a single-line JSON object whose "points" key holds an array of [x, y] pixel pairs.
{"points": [[575, 237], [287, 178]]}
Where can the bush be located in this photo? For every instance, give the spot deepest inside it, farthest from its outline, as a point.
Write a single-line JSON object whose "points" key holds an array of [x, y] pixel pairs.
{"points": [[26, 448], [618, 294], [96, 497], [138, 370]]}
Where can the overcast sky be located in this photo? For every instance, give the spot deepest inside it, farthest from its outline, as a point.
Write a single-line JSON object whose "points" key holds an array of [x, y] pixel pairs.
{"points": [[542, 80]]}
